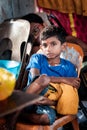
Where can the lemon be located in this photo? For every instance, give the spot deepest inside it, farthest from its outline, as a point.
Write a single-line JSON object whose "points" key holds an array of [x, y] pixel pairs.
{"points": [[7, 83]]}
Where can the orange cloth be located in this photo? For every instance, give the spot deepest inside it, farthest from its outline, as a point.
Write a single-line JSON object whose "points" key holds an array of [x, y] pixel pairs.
{"points": [[54, 92], [68, 101], [66, 97], [65, 6]]}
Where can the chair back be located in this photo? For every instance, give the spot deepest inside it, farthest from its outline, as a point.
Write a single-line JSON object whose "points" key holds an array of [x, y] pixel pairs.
{"points": [[12, 34], [74, 54], [5, 49], [17, 31]]}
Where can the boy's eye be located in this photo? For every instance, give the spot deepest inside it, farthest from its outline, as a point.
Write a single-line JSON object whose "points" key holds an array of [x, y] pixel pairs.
{"points": [[44, 45], [53, 43]]}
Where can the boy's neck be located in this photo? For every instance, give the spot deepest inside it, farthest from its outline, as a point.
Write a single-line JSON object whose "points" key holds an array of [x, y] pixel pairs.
{"points": [[54, 62]]}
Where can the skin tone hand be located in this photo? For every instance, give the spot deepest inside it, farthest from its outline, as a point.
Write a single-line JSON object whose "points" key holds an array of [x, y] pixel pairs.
{"points": [[39, 84], [73, 81], [46, 101]]}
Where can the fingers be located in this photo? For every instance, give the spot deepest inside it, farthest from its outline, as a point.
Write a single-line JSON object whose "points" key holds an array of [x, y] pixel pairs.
{"points": [[44, 80], [46, 101], [76, 83]]}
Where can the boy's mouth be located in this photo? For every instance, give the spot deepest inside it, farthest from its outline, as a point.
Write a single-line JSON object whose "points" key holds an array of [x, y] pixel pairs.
{"points": [[50, 55]]}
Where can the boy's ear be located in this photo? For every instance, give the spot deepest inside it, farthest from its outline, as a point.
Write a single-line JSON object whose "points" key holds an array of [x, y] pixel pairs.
{"points": [[64, 46], [40, 50]]}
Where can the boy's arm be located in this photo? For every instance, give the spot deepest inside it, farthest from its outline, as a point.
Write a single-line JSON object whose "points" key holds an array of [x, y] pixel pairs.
{"points": [[37, 86], [73, 81]]}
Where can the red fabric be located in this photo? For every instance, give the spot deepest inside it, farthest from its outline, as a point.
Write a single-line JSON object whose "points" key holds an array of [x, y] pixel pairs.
{"points": [[79, 21], [81, 27]]}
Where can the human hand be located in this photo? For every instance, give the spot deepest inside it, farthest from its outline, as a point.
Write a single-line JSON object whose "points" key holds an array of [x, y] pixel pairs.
{"points": [[39, 84], [46, 101], [75, 82], [43, 81]]}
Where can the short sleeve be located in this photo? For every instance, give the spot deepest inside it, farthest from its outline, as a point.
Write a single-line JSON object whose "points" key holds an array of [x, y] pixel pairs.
{"points": [[72, 71], [34, 62]]}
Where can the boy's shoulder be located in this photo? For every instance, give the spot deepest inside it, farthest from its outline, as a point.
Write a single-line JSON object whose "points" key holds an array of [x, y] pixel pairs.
{"points": [[67, 62], [38, 55]]}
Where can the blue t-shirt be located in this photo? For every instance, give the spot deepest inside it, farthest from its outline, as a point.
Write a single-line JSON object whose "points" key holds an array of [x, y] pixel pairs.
{"points": [[39, 61]]}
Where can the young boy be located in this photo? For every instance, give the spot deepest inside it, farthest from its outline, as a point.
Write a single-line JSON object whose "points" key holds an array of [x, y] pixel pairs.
{"points": [[51, 68]]}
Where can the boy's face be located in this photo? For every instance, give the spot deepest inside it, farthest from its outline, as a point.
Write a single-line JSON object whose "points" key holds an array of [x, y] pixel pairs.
{"points": [[51, 47]]}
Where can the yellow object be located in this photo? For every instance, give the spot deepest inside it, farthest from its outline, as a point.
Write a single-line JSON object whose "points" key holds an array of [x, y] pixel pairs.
{"points": [[68, 101], [72, 25], [7, 83], [66, 97], [54, 92]]}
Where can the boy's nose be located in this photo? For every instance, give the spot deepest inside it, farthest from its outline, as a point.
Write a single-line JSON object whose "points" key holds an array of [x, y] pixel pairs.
{"points": [[49, 48]]}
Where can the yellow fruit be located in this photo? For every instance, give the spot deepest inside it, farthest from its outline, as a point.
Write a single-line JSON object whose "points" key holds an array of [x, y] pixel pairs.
{"points": [[7, 83]]}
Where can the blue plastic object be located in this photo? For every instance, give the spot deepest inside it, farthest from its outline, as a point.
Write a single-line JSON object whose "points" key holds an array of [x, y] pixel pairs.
{"points": [[11, 66]]}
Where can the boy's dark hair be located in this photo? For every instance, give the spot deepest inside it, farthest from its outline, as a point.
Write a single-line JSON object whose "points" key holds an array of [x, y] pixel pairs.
{"points": [[53, 31], [32, 17]]}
